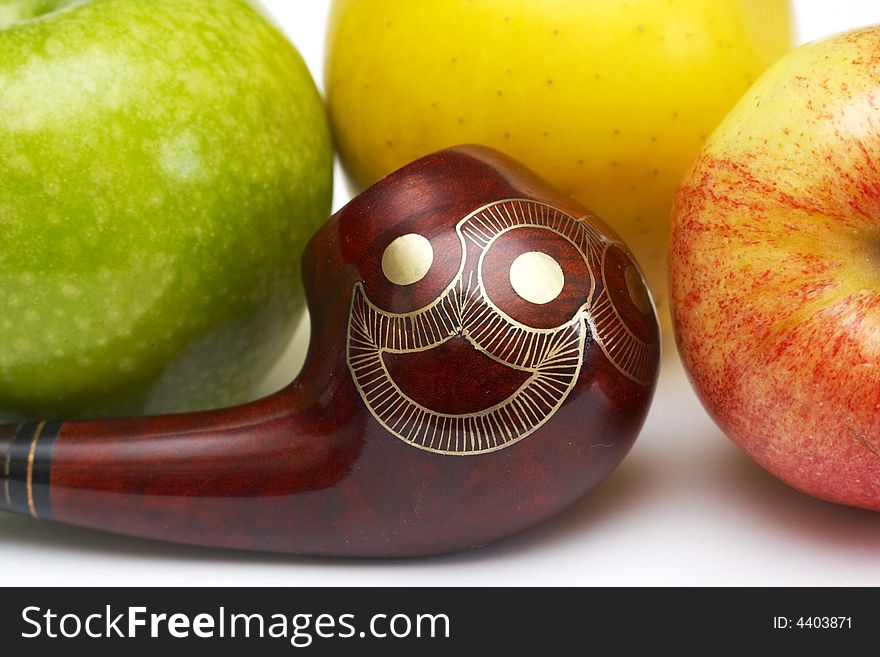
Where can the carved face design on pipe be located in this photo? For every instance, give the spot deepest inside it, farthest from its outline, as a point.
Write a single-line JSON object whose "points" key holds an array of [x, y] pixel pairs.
{"points": [[473, 338]]}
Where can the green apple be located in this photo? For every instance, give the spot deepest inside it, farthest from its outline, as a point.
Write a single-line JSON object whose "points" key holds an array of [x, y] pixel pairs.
{"points": [[162, 165], [608, 100]]}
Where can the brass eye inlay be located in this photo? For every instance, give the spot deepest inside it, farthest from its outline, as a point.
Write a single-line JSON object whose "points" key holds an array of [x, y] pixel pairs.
{"points": [[407, 259], [536, 277]]}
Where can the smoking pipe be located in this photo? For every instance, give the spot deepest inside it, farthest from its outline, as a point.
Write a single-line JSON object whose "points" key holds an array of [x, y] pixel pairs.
{"points": [[483, 352]]}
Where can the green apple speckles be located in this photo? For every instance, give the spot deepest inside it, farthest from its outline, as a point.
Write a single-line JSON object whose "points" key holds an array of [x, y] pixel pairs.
{"points": [[162, 165]]}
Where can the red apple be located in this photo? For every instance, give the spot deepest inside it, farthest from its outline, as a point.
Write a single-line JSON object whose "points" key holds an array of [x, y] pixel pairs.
{"points": [[775, 270]]}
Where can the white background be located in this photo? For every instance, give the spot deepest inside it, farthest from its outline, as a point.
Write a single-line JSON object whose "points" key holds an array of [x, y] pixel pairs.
{"points": [[686, 507]]}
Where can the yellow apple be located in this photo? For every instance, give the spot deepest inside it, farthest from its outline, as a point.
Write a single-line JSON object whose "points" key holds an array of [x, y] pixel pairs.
{"points": [[608, 100]]}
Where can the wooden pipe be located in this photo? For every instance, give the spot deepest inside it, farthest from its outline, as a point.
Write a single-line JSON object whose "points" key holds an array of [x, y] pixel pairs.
{"points": [[483, 352]]}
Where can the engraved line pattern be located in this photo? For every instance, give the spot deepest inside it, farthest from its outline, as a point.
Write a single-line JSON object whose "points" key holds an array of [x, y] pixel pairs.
{"points": [[508, 341], [471, 433], [485, 224], [553, 356], [630, 355]]}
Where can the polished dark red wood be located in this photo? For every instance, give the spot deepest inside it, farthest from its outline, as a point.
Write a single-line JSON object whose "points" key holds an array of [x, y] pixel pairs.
{"points": [[311, 469]]}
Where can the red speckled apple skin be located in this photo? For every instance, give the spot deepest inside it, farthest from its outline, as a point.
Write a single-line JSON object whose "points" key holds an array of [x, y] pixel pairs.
{"points": [[775, 271]]}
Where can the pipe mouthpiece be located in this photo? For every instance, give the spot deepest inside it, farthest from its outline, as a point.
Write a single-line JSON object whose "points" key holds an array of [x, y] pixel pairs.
{"points": [[25, 459]]}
